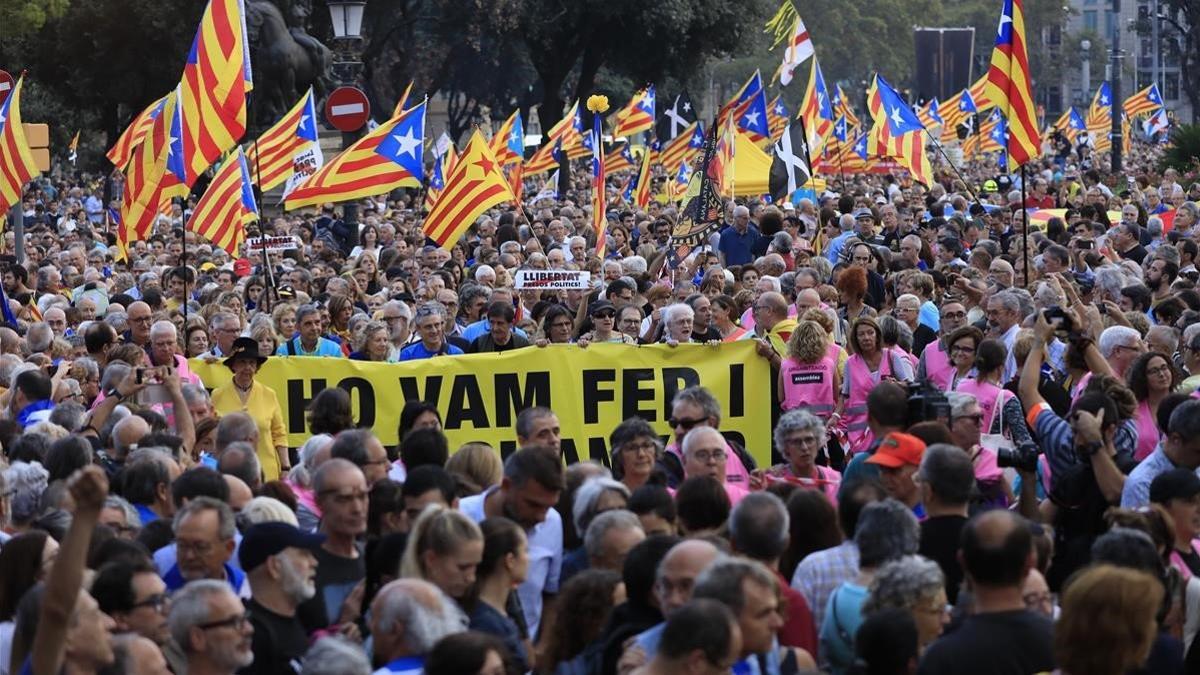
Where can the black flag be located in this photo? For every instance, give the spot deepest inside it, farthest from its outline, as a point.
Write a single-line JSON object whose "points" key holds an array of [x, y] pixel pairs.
{"points": [[789, 163], [675, 119]]}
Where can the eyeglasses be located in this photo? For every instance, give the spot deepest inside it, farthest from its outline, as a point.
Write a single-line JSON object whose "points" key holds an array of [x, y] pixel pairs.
{"points": [[954, 315], [977, 418], [1161, 370], [705, 456], [800, 441], [237, 622], [685, 423], [962, 349], [198, 547], [605, 315], [139, 319], [156, 602], [637, 448]]}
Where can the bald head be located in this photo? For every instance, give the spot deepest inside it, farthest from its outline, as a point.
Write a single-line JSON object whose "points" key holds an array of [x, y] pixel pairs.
{"points": [[239, 492], [807, 299], [997, 549], [679, 569], [773, 309], [127, 433]]}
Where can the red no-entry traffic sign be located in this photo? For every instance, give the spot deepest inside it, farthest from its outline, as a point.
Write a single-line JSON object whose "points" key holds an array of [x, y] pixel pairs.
{"points": [[6, 85], [347, 109]]}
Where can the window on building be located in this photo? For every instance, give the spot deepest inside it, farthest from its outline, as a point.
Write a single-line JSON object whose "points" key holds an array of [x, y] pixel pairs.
{"points": [[1171, 86], [1091, 19]]}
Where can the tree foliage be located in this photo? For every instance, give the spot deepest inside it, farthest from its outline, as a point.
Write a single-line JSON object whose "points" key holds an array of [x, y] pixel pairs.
{"points": [[24, 17], [1183, 154], [1184, 19]]}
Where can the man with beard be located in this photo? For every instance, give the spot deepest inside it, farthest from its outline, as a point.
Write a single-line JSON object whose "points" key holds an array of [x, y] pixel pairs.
{"points": [[1159, 277], [209, 624], [15, 279], [280, 563]]}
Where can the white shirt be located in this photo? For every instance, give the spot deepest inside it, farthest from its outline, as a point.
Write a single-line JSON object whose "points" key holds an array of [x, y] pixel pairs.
{"points": [[1010, 361], [545, 557]]}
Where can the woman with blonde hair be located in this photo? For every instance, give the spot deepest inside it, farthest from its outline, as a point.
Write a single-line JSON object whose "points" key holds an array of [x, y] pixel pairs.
{"points": [[476, 467], [444, 548], [808, 377], [284, 319], [1108, 621], [268, 340], [374, 342], [367, 264]]}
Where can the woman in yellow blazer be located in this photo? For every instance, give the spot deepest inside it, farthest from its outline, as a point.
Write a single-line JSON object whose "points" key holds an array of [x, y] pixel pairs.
{"points": [[257, 400]]}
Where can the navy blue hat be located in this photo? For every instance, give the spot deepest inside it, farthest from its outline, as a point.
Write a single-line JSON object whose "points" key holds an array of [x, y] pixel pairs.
{"points": [[264, 540]]}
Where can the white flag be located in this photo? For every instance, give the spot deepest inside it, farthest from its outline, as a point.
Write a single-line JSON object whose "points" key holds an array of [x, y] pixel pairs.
{"points": [[441, 145], [799, 49]]}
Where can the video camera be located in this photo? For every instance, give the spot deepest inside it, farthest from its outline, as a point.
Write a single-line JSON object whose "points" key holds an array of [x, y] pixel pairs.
{"points": [[927, 403]]}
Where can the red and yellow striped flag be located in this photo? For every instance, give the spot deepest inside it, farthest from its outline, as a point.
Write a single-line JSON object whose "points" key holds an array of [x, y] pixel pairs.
{"points": [[216, 80], [402, 102], [272, 155], [227, 206], [474, 186], [122, 151], [145, 179], [1010, 88], [17, 165], [641, 194], [637, 115]]}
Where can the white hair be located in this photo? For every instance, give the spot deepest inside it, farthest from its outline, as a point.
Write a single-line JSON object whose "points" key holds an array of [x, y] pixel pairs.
{"points": [[634, 265], [163, 328], [484, 270], [773, 282], [423, 626], [334, 655], [1117, 336], [676, 311]]}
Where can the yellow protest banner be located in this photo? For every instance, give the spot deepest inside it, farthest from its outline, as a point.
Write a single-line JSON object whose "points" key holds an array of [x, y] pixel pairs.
{"points": [[479, 395]]}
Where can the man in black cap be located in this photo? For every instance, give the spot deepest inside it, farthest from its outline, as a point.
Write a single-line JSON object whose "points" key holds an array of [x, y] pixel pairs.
{"points": [[280, 565], [1177, 491]]}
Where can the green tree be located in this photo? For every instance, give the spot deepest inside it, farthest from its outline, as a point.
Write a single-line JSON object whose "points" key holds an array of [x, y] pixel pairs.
{"points": [[1183, 18], [24, 17]]}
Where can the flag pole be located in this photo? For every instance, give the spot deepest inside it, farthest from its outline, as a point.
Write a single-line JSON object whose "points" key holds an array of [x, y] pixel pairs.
{"points": [[183, 262], [942, 151], [262, 232], [841, 164], [1024, 226]]}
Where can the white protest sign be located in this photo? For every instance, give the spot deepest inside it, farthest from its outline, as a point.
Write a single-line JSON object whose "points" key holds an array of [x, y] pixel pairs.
{"points": [[557, 280]]}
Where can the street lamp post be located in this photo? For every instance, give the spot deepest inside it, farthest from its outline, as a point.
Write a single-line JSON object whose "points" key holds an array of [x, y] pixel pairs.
{"points": [[1116, 87], [1086, 75], [346, 17]]}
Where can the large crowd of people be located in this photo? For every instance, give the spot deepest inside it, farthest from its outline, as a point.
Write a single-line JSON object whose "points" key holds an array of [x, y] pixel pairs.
{"points": [[984, 452]]}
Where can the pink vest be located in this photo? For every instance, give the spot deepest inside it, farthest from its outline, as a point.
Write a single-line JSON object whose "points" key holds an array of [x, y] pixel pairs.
{"points": [[987, 395], [1147, 432], [861, 384], [808, 385], [938, 369]]}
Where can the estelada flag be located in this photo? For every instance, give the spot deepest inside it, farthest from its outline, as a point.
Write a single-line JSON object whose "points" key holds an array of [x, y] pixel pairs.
{"points": [[475, 185], [17, 165]]}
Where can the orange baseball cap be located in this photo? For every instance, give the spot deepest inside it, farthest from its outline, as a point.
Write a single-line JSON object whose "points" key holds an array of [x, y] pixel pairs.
{"points": [[898, 449]]}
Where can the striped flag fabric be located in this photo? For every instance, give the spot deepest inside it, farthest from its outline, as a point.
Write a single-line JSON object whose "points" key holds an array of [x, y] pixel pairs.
{"points": [[145, 180], [508, 143], [992, 133], [678, 186], [516, 181], [816, 111], [474, 186], [956, 111], [73, 149], [129, 140], [778, 117], [1145, 101], [1010, 87], [216, 80], [841, 106], [641, 194], [1070, 123], [1099, 119], [385, 159], [750, 88], [637, 115], [720, 167], [402, 102], [1156, 123], [683, 148], [897, 131], [569, 130], [599, 175], [546, 158], [227, 206], [288, 148], [17, 165], [929, 115], [622, 160], [442, 166], [979, 95]]}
